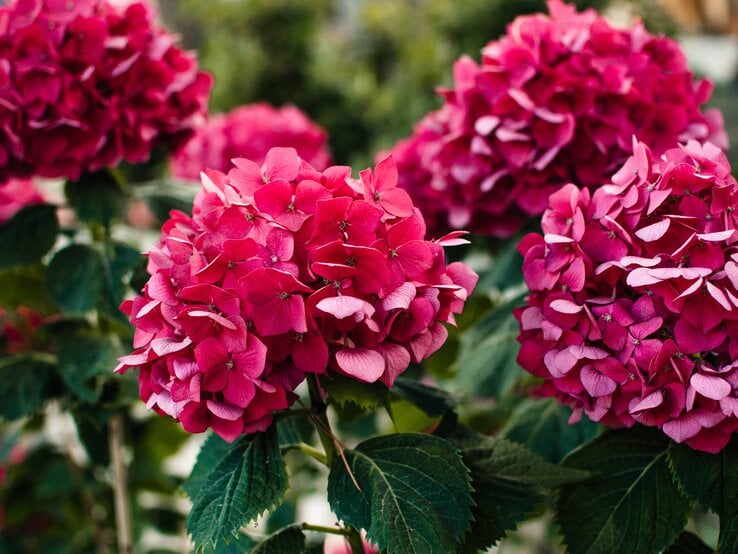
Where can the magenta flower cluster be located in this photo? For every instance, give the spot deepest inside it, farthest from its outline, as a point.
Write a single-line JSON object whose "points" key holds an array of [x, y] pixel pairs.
{"points": [[556, 99], [282, 271], [633, 310], [250, 132], [85, 84]]}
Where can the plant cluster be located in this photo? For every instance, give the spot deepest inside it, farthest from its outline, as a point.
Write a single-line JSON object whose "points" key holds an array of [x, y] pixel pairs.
{"points": [[557, 99], [303, 326]]}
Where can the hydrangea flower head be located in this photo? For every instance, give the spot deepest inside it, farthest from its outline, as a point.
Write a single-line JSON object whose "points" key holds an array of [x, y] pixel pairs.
{"points": [[87, 84], [250, 132], [556, 99], [633, 307], [284, 270]]}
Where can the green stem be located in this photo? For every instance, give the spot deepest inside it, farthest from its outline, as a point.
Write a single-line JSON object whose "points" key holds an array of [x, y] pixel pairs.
{"points": [[311, 451], [319, 409], [324, 529], [119, 475]]}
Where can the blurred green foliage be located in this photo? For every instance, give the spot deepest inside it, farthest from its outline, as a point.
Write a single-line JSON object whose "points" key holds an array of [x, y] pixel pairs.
{"points": [[366, 70]]}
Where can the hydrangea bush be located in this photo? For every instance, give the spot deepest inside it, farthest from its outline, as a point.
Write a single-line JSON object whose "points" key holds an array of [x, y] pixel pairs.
{"points": [[282, 271], [90, 83], [304, 328], [556, 99], [250, 132], [633, 297]]}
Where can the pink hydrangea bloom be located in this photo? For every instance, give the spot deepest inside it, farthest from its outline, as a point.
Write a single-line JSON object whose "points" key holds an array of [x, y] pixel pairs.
{"points": [[249, 132], [556, 99], [284, 270], [339, 544], [89, 83], [16, 194], [633, 307]]}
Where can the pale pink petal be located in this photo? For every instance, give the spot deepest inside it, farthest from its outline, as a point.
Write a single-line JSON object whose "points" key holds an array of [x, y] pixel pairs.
{"points": [[654, 232], [710, 386], [344, 306], [682, 428], [366, 365], [596, 383]]}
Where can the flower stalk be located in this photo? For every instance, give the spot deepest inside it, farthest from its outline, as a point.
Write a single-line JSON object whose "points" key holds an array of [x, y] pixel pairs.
{"points": [[119, 477]]}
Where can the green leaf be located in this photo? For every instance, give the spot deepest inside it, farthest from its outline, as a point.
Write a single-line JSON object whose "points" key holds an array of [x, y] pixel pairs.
{"points": [[343, 390], [75, 278], [97, 197], [509, 460], [488, 355], [689, 543], [163, 196], [288, 432], [728, 539], [414, 497], [710, 479], [212, 452], [25, 286], [631, 503], [543, 426], [432, 401], [122, 260], [514, 461], [408, 418], [28, 235], [506, 269], [26, 382], [241, 544], [290, 540], [509, 482], [500, 503], [84, 356], [250, 479]]}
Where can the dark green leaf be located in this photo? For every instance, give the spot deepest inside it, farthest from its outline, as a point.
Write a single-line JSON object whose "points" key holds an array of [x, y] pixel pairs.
{"points": [[431, 400], [288, 432], [343, 390], [26, 382], [83, 357], [93, 434], [688, 543], [164, 196], [500, 503], [543, 426], [28, 235], [500, 506], [122, 260], [290, 540], [514, 461], [728, 539], [212, 452], [250, 479], [488, 357], [509, 460], [97, 197], [506, 269], [241, 544], [25, 286], [710, 479], [414, 497], [631, 503], [75, 278]]}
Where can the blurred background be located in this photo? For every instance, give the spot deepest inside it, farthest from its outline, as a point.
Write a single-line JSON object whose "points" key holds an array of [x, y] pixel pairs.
{"points": [[367, 70]]}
